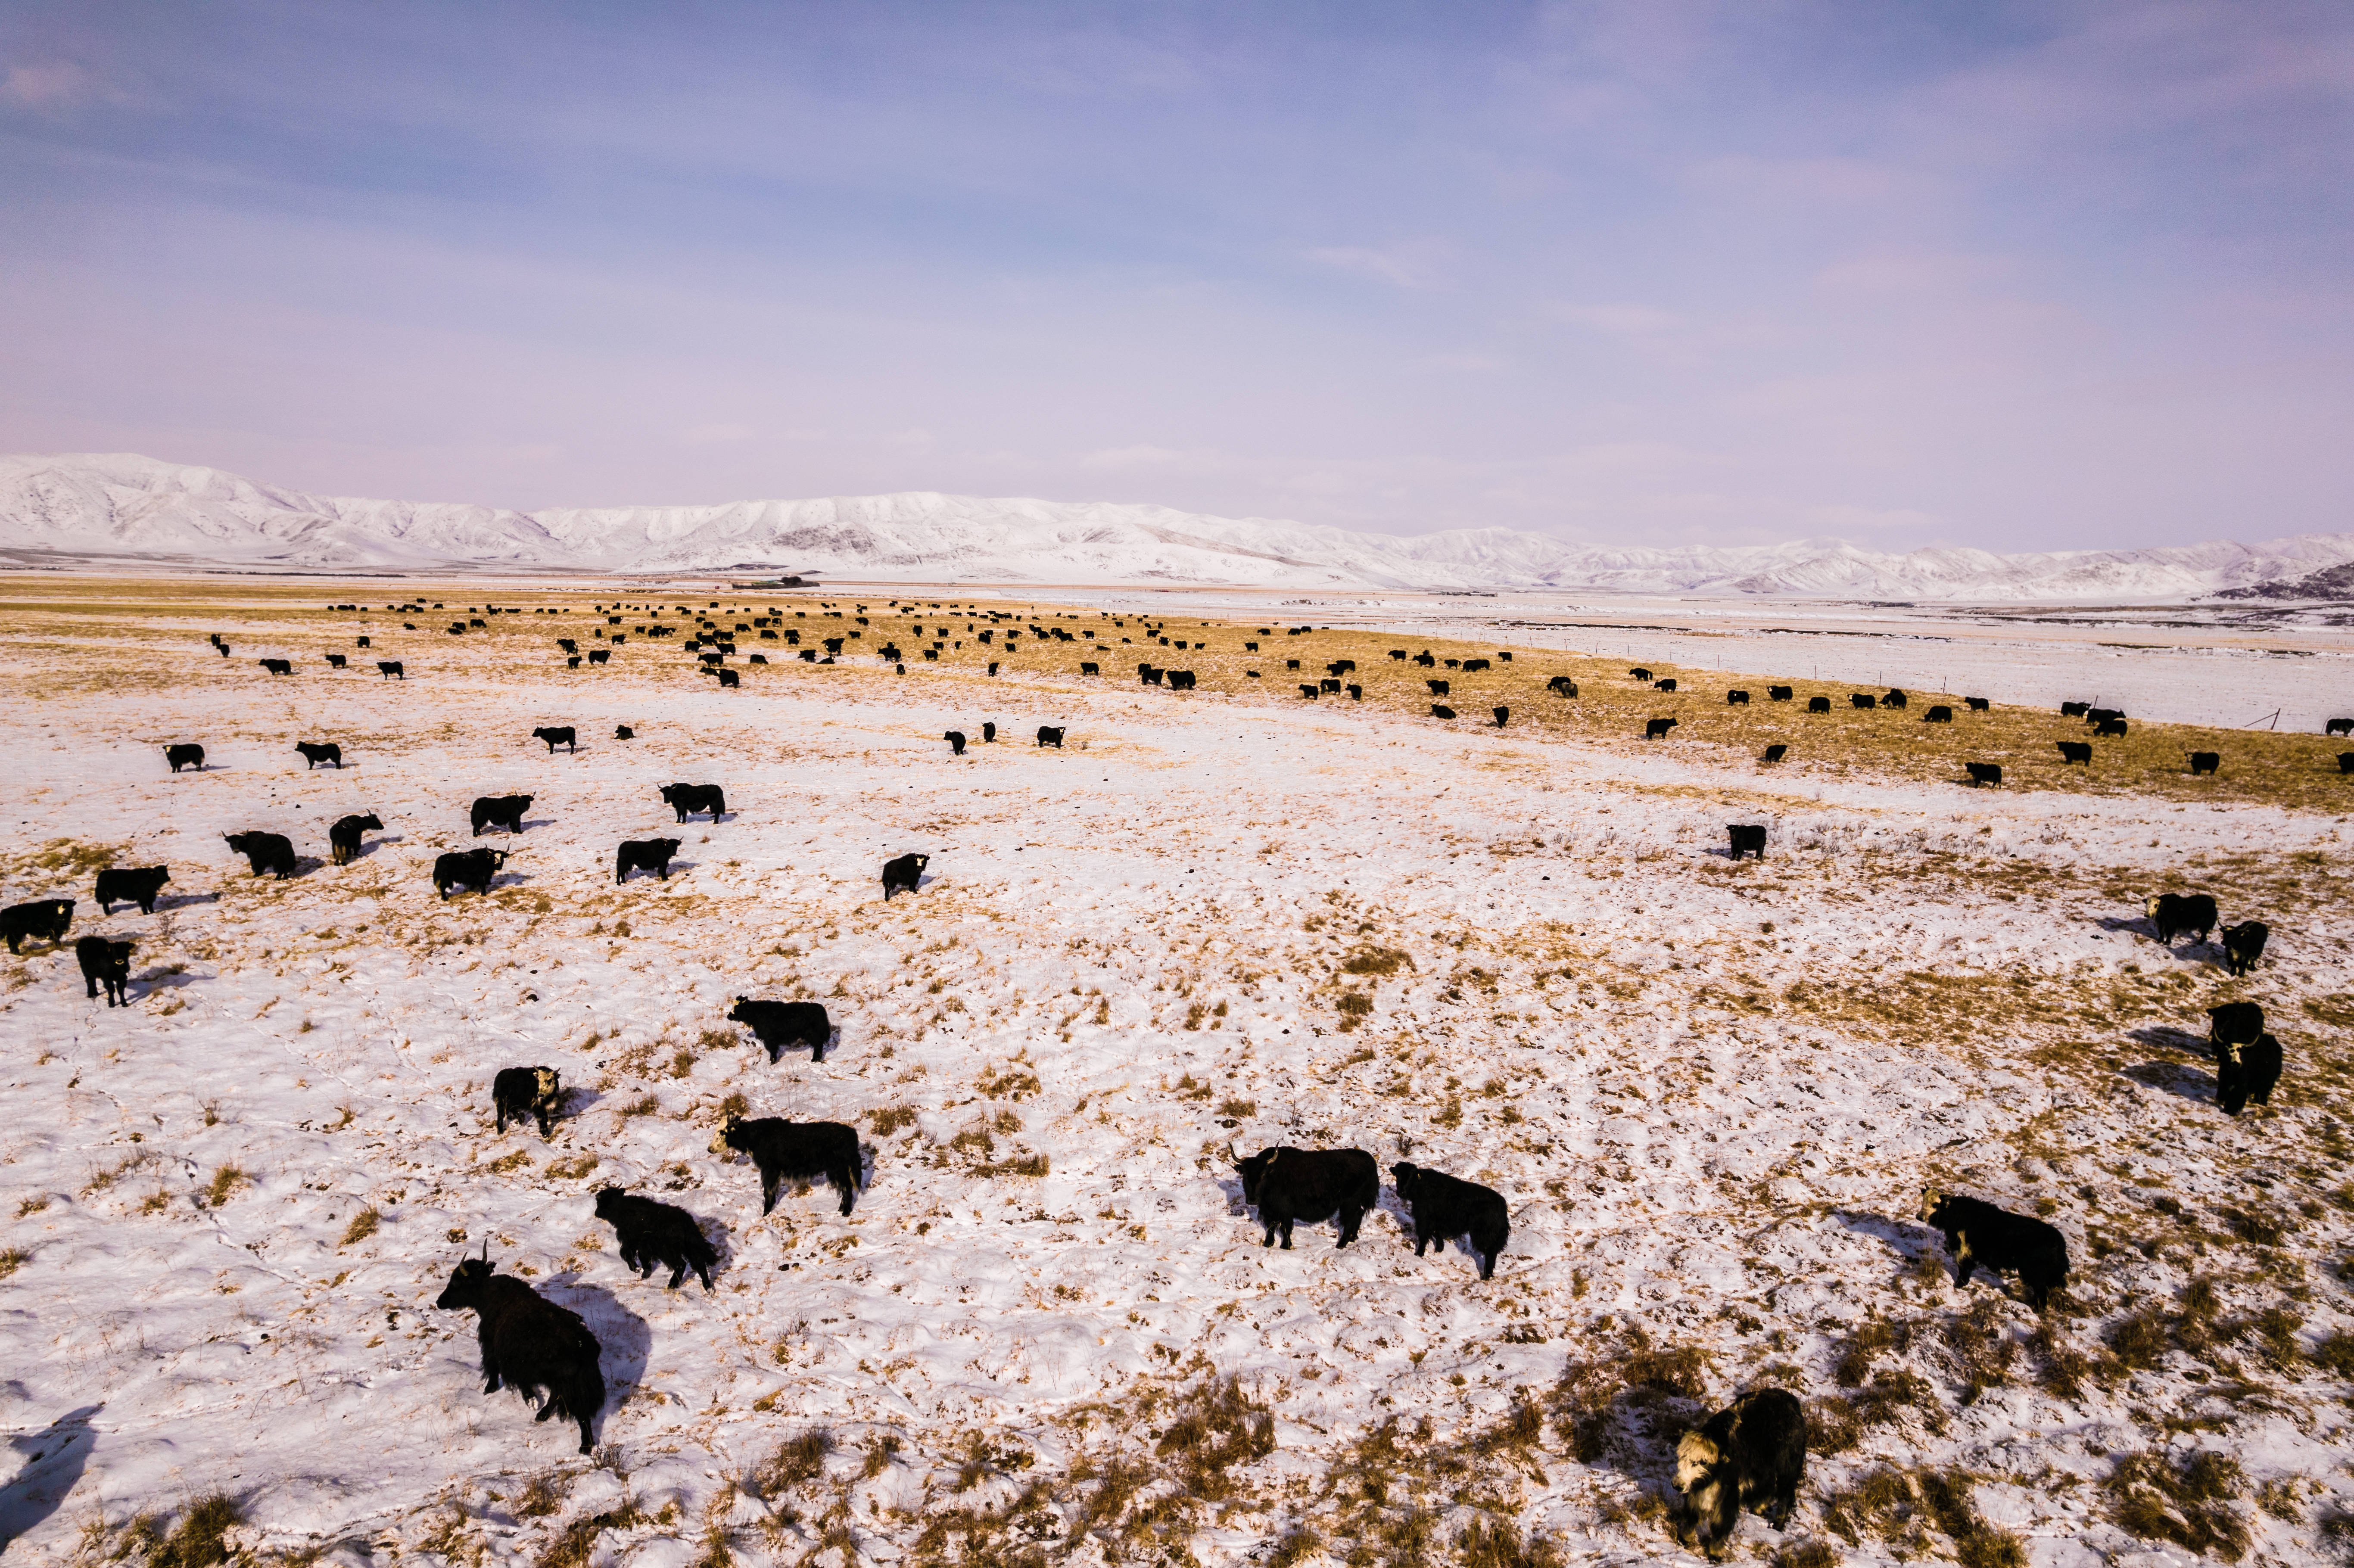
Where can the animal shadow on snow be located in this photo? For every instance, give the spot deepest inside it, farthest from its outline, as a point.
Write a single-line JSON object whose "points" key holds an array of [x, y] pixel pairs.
{"points": [[54, 1457], [2143, 925], [1908, 1239], [168, 902], [2191, 1083], [624, 1340]]}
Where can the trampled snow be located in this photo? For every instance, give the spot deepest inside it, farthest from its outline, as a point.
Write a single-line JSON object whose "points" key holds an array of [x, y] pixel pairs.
{"points": [[117, 506]]}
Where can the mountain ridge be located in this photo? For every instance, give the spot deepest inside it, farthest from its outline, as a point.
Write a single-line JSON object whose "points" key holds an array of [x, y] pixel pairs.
{"points": [[121, 505]]}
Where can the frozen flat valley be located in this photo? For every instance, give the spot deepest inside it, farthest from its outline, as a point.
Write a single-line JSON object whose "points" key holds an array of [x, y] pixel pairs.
{"points": [[1713, 1094]]}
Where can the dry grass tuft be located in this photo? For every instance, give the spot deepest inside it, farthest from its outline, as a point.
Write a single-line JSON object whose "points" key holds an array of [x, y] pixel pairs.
{"points": [[363, 1226]]}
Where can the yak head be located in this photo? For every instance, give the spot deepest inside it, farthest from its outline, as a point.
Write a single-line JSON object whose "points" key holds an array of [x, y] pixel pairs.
{"points": [[1931, 1201], [1406, 1177], [548, 1082], [1254, 1172], [609, 1201], [498, 857], [465, 1288], [1696, 1456], [725, 1142], [2149, 905]]}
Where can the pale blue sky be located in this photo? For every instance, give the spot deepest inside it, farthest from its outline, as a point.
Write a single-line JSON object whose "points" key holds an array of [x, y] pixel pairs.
{"points": [[2021, 276]]}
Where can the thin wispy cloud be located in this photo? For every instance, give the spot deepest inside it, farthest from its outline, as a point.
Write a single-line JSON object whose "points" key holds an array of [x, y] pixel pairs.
{"points": [[2014, 275]]}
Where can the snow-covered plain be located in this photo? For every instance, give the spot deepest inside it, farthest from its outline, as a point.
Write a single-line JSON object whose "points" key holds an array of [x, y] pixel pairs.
{"points": [[1713, 1094]]}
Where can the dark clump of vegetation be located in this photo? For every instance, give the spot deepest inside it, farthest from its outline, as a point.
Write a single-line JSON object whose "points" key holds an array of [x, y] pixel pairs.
{"points": [[1904, 1508], [199, 1539], [799, 1461], [2188, 1503]]}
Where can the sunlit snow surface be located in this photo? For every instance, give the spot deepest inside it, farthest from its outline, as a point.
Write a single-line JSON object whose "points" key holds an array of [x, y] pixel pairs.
{"points": [[1710, 1095]]}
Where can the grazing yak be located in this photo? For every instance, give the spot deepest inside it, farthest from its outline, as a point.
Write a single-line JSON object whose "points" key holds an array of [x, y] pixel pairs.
{"points": [[1050, 735], [527, 1094], [2243, 944], [1309, 692], [989, 731], [2079, 752], [730, 678], [278, 666], [1893, 698], [1861, 700], [799, 1151], [2338, 726], [2074, 710], [1639, 673], [1356, 692], [1440, 688], [473, 868], [2346, 762], [2205, 762], [1749, 838], [955, 738], [1654, 728], [344, 838], [643, 854], [2242, 1073], [651, 1231], [782, 1025], [1984, 773], [2177, 913], [1181, 680], [904, 874], [336, 661], [181, 757], [1752, 1454], [557, 736], [107, 963], [1441, 711], [272, 853], [1667, 686], [600, 655], [1293, 1186], [1736, 697], [1981, 1235], [1444, 1207], [500, 812], [1779, 693], [623, 732], [529, 1343], [1818, 705], [316, 752], [2109, 726], [688, 798], [1939, 713], [45, 920], [1977, 704], [130, 885], [1776, 752], [1503, 715], [393, 670], [1561, 686]]}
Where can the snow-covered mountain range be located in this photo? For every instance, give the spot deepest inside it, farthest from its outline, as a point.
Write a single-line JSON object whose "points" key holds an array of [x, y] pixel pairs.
{"points": [[121, 506]]}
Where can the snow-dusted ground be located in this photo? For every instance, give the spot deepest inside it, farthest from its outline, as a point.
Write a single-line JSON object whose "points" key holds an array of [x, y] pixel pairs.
{"points": [[2228, 677], [1711, 1094]]}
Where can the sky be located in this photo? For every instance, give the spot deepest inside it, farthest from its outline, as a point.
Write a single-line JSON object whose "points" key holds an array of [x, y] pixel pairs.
{"points": [[2019, 275]]}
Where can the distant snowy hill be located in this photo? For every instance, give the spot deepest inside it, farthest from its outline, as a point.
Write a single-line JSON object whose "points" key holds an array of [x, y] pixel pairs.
{"points": [[123, 506]]}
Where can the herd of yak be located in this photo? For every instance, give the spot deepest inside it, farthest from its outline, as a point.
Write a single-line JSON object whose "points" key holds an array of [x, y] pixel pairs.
{"points": [[1750, 1454]]}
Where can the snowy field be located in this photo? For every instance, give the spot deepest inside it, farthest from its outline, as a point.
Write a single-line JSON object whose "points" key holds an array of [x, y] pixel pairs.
{"points": [[2222, 666], [1712, 1093]]}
